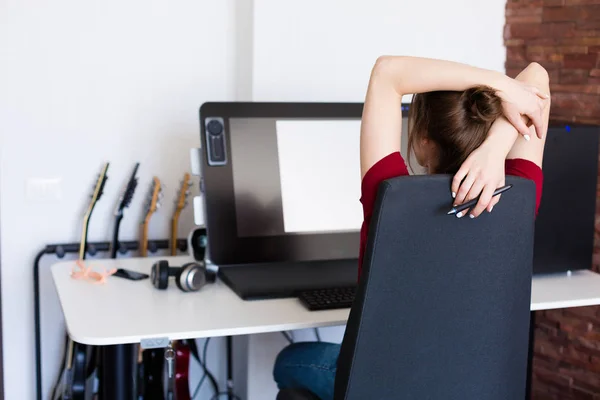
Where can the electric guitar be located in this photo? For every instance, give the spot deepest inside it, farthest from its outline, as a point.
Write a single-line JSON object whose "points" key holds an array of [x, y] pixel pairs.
{"points": [[76, 371], [182, 370], [151, 363], [152, 204], [124, 202], [179, 383], [180, 204]]}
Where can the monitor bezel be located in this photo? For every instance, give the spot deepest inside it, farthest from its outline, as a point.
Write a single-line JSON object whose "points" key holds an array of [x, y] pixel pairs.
{"points": [[224, 246]]}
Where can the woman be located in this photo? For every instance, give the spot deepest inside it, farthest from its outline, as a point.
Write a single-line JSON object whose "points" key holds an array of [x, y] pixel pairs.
{"points": [[463, 121]]}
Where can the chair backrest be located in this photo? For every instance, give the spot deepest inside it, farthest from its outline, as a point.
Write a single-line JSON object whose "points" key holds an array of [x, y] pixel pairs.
{"points": [[442, 307]]}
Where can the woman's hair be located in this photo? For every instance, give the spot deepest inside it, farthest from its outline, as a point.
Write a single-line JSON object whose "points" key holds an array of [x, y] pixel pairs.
{"points": [[457, 122]]}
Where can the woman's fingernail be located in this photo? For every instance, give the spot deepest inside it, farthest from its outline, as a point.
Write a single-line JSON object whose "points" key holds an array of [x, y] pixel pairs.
{"points": [[453, 195], [491, 208], [471, 216], [527, 137], [459, 215]]}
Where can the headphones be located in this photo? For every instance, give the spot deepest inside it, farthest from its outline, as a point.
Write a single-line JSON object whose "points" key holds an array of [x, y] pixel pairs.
{"points": [[190, 277]]}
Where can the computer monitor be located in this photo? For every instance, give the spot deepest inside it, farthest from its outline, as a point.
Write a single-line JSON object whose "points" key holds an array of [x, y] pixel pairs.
{"points": [[281, 181], [564, 229]]}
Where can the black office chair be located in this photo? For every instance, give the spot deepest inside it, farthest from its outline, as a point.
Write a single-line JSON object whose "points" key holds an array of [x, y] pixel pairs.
{"points": [[443, 305]]}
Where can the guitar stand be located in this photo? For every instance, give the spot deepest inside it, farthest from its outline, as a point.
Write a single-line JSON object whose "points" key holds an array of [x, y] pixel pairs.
{"points": [[111, 377]]}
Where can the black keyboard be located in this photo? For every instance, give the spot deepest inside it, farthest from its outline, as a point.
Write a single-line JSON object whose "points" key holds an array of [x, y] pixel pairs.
{"points": [[328, 299]]}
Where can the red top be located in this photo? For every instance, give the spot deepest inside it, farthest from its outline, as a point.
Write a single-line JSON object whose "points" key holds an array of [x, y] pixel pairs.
{"points": [[393, 165]]}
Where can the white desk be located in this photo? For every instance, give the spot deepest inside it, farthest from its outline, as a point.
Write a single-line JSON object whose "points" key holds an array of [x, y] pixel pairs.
{"points": [[128, 311], [123, 311]]}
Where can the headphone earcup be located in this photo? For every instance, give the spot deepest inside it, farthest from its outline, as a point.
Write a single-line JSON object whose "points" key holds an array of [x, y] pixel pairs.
{"points": [[191, 277], [178, 279], [159, 274]]}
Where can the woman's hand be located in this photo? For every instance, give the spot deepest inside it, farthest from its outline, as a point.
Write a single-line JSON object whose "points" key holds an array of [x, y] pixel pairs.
{"points": [[481, 173], [520, 99]]}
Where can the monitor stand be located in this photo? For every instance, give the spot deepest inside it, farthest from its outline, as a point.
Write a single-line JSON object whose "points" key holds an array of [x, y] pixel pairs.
{"points": [[286, 279]]}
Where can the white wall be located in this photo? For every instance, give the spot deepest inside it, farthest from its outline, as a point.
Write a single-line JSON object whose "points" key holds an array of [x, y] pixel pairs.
{"points": [[318, 50], [121, 81], [80, 83]]}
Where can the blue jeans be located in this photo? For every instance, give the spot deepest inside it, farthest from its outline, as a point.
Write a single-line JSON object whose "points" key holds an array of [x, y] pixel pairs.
{"points": [[308, 365]]}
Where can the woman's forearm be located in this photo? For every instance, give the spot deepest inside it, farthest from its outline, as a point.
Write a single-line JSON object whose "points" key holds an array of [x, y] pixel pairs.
{"points": [[505, 139], [502, 137], [409, 75]]}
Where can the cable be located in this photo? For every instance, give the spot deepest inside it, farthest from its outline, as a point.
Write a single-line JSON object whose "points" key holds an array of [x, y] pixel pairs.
{"points": [[193, 349], [199, 386], [229, 353], [317, 334], [60, 370], [288, 337], [234, 396], [196, 355], [211, 377], [202, 361], [207, 373]]}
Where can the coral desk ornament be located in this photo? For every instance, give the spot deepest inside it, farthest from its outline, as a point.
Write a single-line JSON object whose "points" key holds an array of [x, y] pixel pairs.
{"points": [[81, 271]]}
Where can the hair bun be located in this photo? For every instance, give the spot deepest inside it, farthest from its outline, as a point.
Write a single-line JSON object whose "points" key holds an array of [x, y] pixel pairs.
{"points": [[481, 104]]}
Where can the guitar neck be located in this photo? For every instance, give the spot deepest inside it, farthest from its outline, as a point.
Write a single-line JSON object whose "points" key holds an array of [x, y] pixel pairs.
{"points": [[174, 231], [180, 205], [114, 245], [144, 237], [84, 233], [152, 206], [69, 353]]}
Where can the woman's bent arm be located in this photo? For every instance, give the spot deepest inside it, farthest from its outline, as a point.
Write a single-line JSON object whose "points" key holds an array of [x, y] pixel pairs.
{"points": [[503, 142], [394, 76]]}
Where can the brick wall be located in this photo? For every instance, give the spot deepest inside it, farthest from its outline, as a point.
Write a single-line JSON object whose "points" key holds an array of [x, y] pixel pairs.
{"points": [[563, 36]]}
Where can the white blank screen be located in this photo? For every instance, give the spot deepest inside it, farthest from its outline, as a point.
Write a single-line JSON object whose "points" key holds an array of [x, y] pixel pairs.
{"points": [[319, 167]]}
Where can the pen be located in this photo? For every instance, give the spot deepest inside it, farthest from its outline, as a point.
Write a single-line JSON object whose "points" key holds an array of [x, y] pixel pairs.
{"points": [[471, 203]]}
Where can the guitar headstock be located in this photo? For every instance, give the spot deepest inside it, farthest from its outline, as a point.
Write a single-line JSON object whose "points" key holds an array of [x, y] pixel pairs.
{"points": [[97, 190], [180, 203], [96, 194], [153, 200], [99, 185], [183, 194], [128, 191]]}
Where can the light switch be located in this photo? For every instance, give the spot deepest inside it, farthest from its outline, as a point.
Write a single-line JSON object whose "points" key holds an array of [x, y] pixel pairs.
{"points": [[198, 211], [44, 189], [195, 157]]}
